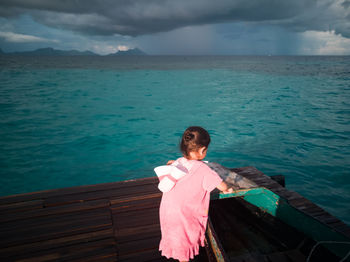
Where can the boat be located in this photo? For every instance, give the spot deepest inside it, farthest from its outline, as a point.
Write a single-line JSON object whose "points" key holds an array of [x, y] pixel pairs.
{"points": [[269, 223]]}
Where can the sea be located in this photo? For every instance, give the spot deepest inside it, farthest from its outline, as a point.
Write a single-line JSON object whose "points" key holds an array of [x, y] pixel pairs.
{"points": [[79, 120]]}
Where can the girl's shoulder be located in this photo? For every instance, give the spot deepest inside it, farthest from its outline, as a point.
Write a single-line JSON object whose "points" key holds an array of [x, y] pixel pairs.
{"points": [[193, 165], [189, 165], [204, 167]]}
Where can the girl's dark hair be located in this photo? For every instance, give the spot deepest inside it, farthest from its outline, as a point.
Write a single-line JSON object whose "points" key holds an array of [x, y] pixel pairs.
{"points": [[193, 139]]}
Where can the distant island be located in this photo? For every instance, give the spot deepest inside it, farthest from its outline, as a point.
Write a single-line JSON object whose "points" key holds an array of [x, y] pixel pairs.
{"points": [[48, 51]]}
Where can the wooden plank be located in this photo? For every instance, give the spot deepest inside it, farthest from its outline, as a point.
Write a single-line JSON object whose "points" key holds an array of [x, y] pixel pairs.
{"points": [[273, 187], [121, 233], [40, 258], [75, 190], [21, 206], [339, 225], [107, 257], [247, 170], [115, 201], [49, 231], [98, 258], [144, 255], [278, 190], [290, 195], [69, 208], [304, 204], [102, 250], [327, 218], [260, 181], [309, 207], [56, 221], [73, 252], [314, 213], [138, 245], [136, 218], [146, 203], [345, 230], [53, 220], [107, 194], [138, 232], [16, 240], [336, 223], [33, 247]]}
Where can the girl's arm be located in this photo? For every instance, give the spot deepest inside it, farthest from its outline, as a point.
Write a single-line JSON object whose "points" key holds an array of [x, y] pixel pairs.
{"points": [[170, 162], [224, 188]]}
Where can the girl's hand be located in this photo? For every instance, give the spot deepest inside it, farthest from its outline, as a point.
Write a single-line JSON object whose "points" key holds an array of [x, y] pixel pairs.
{"points": [[223, 187], [228, 191], [170, 162]]}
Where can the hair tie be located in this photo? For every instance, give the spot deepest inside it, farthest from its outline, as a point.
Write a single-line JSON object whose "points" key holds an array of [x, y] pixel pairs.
{"points": [[188, 137]]}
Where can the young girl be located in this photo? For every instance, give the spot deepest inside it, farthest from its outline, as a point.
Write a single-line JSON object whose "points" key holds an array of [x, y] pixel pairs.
{"points": [[183, 210]]}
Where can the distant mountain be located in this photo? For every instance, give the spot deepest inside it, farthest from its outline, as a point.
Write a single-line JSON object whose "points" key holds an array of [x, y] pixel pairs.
{"points": [[134, 51], [53, 52]]}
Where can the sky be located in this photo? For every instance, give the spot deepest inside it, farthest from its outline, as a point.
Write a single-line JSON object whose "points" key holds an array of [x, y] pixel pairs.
{"points": [[178, 27]]}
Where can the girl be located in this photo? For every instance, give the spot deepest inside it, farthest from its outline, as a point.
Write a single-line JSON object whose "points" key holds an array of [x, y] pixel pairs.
{"points": [[183, 210]]}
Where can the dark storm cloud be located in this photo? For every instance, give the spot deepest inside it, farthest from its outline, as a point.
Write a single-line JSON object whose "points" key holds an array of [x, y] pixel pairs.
{"points": [[138, 17], [346, 4]]}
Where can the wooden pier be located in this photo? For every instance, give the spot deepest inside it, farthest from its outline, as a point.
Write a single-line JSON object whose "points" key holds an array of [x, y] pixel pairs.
{"points": [[105, 222]]}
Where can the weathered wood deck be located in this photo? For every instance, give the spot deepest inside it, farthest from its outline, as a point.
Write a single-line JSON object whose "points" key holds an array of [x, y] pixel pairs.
{"points": [[105, 222]]}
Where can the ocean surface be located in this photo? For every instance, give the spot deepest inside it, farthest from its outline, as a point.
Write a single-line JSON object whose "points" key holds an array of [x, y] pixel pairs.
{"points": [[68, 121]]}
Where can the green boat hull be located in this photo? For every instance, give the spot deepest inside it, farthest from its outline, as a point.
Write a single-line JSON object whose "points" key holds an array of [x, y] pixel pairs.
{"points": [[279, 208]]}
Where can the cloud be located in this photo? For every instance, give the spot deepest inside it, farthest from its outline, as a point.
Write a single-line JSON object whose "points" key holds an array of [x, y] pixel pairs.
{"points": [[139, 17], [325, 43], [190, 40], [21, 38], [123, 48]]}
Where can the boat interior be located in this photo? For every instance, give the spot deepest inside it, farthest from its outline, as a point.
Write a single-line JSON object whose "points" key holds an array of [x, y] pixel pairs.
{"points": [[247, 233]]}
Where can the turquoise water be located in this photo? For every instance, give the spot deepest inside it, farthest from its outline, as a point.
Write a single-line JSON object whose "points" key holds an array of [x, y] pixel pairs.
{"points": [[78, 121]]}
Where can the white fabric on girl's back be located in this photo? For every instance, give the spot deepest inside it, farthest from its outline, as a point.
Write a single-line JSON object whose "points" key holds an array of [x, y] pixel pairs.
{"points": [[168, 175]]}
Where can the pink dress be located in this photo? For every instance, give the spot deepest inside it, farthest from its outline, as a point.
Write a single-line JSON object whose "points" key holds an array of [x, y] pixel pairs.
{"points": [[183, 211]]}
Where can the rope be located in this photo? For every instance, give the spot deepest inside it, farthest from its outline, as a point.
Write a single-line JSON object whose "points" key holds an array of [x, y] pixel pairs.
{"points": [[345, 257], [328, 242]]}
